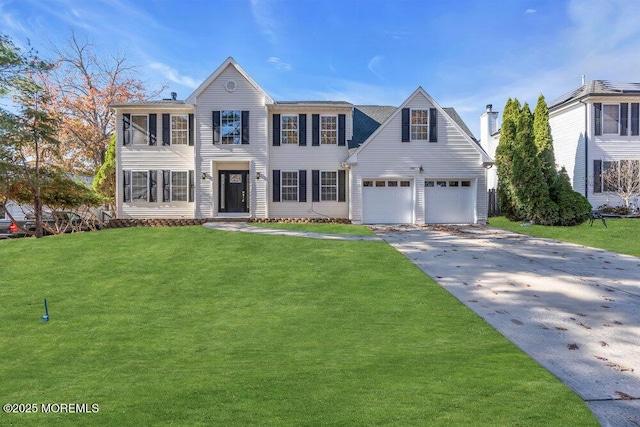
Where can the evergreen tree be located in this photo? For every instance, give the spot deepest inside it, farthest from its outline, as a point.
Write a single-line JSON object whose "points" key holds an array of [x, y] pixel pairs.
{"points": [[104, 181], [504, 152], [530, 188], [544, 141]]}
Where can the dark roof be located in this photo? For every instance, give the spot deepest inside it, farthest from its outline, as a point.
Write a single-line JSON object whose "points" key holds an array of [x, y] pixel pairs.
{"points": [[366, 119], [597, 87], [456, 118]]}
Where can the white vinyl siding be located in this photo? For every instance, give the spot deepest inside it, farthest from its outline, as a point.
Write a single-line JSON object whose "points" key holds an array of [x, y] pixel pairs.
{"points": [[453, 157]]}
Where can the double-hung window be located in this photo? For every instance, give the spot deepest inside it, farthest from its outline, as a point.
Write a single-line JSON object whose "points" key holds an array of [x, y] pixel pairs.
{"points": [[289, 129], [328, 129], [289, 186], [231, 126], [139, 129], [419, 124], [328, 185], [610, 119], [179, 186], [180, 129], [140, 185]]}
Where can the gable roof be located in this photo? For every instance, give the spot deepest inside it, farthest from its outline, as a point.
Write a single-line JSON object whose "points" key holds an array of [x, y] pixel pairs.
{"points": [[228, 62], [597, 87], [456, 118], [464, 130]]}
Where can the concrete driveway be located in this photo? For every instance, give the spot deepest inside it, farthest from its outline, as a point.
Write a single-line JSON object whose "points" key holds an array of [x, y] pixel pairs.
{"points": [[575, 310]]}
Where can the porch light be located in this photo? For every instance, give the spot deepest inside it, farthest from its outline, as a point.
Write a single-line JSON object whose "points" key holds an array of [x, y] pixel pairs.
{"points": [[258, 175]]}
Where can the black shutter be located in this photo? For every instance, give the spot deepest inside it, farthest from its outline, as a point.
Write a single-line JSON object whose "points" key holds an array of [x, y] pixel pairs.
{"points": [[406, 125], [126, 127], [433, 125], [302, 185], [635, 110], [166, 129], [276, 185], [597, 117], [302, 130], [315, 185], [276, 130], [342, 196], [191, 186], [624, 118], [166, 186], [153, 185], [342, 132], [245, 127], [126, 186], [597, 176], [315, 130], [216, 126], [191, 136], [153, 128]]}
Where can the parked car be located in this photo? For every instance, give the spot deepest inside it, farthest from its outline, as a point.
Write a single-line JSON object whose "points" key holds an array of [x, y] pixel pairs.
{"points": [[58, 221], [5, 225]]}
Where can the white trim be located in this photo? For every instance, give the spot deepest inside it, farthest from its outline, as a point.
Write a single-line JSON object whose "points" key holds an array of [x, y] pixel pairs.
{"points": [[297, 172], [335, 116], [282, 129], [336, 186], [171, 185], [146, 172], [132, 130], [171, 139]]}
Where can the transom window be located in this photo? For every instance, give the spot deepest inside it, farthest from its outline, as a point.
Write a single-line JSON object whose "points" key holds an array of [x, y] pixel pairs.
{"points": [[289, 186], [231, 126], [420, 124], [328, 129], [179, 186], [139, 127], [180, 129], [610, 118], [289, 129], [139, 185], [328, 185]]}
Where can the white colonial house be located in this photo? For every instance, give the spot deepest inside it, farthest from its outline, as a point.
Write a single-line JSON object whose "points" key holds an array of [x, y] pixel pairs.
{"points": [[594, 128], [230, 150]]}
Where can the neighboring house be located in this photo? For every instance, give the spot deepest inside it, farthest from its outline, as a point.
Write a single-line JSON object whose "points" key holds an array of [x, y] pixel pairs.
{"points": [[230, 150], [594, 127]]}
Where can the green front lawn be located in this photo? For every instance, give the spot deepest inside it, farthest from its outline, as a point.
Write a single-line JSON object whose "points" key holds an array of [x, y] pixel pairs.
{"points": [[356, 230], [620, 235], [191, 326]]}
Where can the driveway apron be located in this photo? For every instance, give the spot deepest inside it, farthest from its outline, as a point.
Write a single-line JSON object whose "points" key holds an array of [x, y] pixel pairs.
{"points": [[573, 309]]}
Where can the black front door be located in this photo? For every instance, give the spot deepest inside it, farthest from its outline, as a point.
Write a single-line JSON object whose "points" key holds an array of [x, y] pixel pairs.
{"points": [[234, 191]]}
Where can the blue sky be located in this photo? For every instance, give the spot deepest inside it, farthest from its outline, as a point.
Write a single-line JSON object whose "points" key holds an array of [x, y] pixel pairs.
{"points": [[464, 53]]}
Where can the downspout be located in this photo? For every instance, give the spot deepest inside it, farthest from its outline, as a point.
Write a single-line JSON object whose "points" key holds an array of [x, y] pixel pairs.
{"points": [[586, 151]]}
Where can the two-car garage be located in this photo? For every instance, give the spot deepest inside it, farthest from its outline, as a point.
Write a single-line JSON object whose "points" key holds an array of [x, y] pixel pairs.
{"points": [[392, 201]]}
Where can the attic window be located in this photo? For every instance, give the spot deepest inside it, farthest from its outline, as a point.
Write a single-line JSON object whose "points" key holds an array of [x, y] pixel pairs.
{"points": [[419, 124]]}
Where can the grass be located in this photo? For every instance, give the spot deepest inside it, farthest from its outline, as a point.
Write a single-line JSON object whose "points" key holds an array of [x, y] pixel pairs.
{"points": [[356, 230], [191, 326], [620, 235]]}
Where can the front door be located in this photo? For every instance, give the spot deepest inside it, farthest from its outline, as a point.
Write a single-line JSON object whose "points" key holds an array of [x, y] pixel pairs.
{"points": [[233, 191]]}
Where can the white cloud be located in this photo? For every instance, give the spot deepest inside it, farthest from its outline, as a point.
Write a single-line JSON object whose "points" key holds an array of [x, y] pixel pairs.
{"points": [[374, 65], [263, 16], [173, 75], [530, 11], [279, 64]]}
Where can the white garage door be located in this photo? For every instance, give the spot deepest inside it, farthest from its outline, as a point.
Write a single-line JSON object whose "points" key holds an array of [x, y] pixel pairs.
{"points": [[387, 201], [449, 201]]}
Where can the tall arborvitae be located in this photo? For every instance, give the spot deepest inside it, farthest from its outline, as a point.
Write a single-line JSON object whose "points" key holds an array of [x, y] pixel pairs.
{"points": [[504, 158], [531, 190], [544, 141]]}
